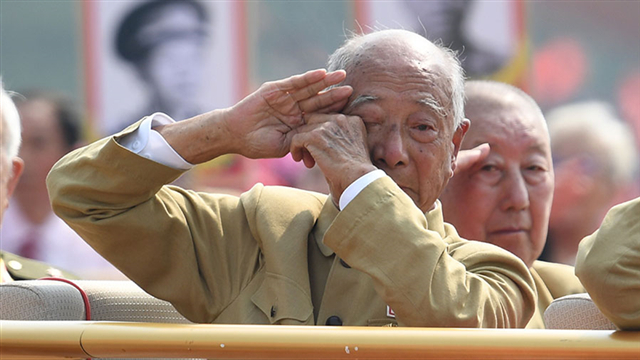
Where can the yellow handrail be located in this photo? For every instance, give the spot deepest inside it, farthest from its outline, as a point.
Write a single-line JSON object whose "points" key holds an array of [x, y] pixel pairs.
{"points": [[82, 339]]}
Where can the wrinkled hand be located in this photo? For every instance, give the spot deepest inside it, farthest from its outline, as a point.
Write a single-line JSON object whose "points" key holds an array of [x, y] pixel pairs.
{"points": [[338, 145], [263, 122], [468, 158]]}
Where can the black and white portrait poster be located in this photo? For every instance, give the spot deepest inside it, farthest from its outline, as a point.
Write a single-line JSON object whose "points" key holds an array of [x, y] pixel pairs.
{"points": [[179, 57], [489, 36]]}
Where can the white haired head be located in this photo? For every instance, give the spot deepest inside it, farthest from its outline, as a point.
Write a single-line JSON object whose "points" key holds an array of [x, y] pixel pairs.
{"points": [[593, 128], [10, 125], [344, 58], [489, 96]]}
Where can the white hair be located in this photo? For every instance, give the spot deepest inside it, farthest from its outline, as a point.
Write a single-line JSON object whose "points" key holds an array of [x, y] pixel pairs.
{"points": [[10, 125], [595, 125], [343, 59], [489, 92]]}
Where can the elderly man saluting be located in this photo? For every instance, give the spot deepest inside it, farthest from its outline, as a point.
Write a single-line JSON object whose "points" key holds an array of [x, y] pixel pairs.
{"points": [[374, 252]]}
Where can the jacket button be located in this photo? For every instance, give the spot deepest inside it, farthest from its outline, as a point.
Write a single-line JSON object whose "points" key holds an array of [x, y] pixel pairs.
{"points": [[343, 263], [273, 311], [334, 321]]}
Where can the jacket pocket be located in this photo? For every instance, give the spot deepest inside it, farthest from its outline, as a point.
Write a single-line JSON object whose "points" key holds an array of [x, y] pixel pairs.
{"points": [[283, 301]]}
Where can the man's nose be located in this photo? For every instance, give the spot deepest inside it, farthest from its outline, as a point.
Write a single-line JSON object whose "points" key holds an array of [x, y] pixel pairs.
{"points": [[516, 193], [390, 150]]}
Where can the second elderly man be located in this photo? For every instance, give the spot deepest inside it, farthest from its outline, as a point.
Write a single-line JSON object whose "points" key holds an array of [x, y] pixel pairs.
{"points": [[505, 198]]}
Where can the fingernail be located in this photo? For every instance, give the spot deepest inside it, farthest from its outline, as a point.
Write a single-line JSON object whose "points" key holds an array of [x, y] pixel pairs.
{"points": [[336, 74]]}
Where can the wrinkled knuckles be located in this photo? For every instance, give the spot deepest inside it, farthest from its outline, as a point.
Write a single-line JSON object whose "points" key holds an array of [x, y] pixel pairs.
{"points": [[341, 118], [271, 95]]}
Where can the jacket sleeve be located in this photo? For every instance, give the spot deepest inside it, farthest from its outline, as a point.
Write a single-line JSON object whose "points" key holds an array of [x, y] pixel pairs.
{"points": [[608, 264], [429, 279], [168, 240]]}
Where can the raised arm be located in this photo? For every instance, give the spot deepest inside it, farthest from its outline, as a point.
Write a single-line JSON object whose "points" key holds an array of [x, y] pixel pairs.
{"points": [[165, 238], [259, 126]]}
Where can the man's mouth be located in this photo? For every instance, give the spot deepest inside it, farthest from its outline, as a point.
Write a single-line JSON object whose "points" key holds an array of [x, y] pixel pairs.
{"points": [[509, 231]]}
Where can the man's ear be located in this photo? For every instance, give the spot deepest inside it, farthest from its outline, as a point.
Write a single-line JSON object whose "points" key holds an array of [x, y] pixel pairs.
{"points": [[458, 135], [17, 166]]}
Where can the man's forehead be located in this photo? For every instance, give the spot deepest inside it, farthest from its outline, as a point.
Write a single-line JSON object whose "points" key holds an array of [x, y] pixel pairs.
{"points": [[419, 85], [399, 75], [511, 116], [504, 131], [426, 100], [369, 68]]}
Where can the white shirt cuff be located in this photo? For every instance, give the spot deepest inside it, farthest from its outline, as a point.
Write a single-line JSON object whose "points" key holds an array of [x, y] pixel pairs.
{"points": [[147, 142], [357, 186]]}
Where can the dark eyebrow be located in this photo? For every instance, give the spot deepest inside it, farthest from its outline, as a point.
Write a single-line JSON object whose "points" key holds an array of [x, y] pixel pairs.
{"points": [[362, 99]]}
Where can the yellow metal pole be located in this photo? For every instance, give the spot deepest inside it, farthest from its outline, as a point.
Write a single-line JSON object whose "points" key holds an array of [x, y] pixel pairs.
{"points": [[41, 339], [137, 340]]}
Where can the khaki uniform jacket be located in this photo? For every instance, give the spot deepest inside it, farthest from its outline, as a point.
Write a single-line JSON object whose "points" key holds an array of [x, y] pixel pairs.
{"points": [[267, 257], [552, 281], [608, 264]]}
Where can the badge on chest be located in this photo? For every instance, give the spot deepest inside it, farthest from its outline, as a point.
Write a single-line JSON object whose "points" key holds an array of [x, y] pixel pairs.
{"points": [[390, 312]]}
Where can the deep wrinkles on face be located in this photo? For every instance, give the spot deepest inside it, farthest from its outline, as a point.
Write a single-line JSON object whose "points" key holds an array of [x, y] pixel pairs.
{"points": [[391, 76], [423, 83], [495, 123]]}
